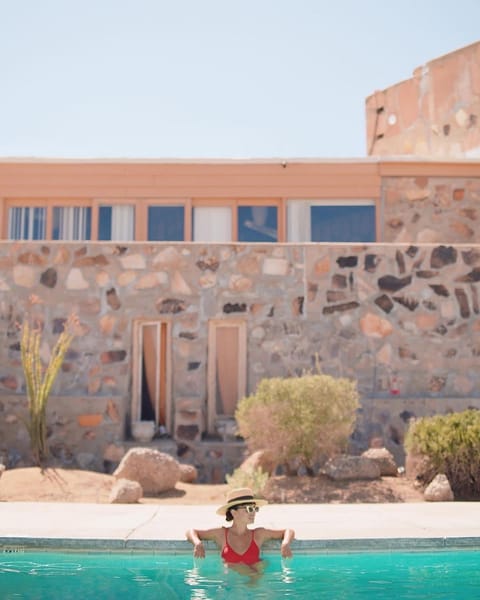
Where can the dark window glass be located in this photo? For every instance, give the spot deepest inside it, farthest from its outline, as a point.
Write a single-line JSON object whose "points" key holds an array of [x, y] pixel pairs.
{"points": [[166, 223], [342, 223], [39, 223], [257, 224], [105, 223]]}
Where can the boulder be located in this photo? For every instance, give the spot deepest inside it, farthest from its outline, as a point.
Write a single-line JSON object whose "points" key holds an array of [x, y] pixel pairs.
{"points": [[439, 490], [351, 467], [125, 491], [384, 459], [188, 473], [155, 471]]}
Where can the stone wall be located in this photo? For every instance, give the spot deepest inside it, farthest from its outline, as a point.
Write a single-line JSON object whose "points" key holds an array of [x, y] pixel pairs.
{"points": [[402, 320], [431, 209], [85, 432]]}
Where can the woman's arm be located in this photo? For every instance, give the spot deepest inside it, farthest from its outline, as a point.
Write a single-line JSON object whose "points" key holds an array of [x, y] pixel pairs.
{"points": [[196, 537], [286, 535]]}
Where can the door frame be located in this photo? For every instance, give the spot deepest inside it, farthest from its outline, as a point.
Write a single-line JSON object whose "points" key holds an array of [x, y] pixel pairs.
{"points": [[213, 325]]}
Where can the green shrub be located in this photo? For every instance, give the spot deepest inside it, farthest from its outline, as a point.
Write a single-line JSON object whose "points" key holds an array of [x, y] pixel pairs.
{"points": [[451, 444], [299, 420], [255, 478]]}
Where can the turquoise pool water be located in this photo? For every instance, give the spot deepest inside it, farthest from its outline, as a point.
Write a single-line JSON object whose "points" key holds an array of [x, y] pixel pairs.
{"points": [[85, 576]]}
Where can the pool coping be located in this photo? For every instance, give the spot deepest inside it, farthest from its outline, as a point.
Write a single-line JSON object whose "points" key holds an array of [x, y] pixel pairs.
{"points": [[15, 545]]}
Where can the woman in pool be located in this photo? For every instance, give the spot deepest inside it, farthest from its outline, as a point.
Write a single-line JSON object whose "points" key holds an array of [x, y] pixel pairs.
{"points": [[239, 544]]}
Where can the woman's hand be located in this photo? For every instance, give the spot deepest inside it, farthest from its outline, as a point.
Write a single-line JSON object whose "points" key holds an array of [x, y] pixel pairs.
{"points": [[285, 550], [199, 550], [197, 537]]}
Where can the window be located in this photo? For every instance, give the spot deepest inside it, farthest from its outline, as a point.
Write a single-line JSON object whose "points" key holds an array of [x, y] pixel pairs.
{"points": [[151, 372], [257, 224], [71, 223], [331, 221], [166, 223], [116, 223], [226, 369], [212, 224], [27, 223]]}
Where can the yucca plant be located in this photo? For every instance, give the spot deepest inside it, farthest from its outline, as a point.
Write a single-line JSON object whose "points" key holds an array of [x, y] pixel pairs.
{"points": [[39, 379]]}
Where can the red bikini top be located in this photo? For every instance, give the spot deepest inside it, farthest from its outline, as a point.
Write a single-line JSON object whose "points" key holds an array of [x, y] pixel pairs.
{"points": [[249, 557]]}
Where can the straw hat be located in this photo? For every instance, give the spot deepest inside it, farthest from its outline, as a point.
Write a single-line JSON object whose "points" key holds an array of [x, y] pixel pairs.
{"points": [[240, 496]]}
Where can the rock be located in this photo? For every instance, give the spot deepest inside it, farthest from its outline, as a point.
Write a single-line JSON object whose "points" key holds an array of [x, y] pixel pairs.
{"points": [[155, 471], [125, 491], [439, 490], [188, 473], [442, 256], [261, 459], [390, 283], [374, 326], [352, 467], [384, 460], [2, 468]]}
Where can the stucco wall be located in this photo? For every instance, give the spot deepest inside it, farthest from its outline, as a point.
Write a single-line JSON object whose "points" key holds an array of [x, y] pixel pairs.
{"points": [[402, 320], [435, 113]]}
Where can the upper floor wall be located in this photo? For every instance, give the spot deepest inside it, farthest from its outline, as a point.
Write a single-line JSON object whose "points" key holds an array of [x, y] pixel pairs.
{"points": [[296, 201], [435, 113]]}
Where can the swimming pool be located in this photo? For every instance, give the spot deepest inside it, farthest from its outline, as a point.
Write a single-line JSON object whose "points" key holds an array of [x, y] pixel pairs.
{"points": [[33, 575]]}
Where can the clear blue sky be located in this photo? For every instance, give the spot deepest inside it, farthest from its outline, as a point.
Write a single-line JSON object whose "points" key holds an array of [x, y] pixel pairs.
{"points": [[210, 78]]}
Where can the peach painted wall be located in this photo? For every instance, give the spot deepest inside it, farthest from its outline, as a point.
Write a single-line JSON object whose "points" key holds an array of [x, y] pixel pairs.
{"points": [[435, 113], [186, 179]]}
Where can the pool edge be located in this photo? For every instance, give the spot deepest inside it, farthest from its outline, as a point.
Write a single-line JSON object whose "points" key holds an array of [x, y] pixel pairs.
{"points": [[20, 544]]}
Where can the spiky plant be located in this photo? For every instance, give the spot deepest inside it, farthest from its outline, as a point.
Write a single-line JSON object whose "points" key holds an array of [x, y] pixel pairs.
{"points": [[39, 379]]}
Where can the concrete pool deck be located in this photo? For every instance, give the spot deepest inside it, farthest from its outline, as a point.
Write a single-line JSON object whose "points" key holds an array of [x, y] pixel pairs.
{"points": [[157, 527]]}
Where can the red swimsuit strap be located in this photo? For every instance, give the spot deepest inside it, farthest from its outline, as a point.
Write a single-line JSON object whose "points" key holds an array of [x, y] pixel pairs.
{"points": [[250, 556]]}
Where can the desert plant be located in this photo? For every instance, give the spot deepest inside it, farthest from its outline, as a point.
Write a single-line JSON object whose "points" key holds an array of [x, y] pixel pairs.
{"points": [[451, 445], [39, 379], [255, 478], [299, 419]]}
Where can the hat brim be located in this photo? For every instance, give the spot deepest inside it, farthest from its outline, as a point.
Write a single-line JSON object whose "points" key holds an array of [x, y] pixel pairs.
{"points": [[258, 501]]}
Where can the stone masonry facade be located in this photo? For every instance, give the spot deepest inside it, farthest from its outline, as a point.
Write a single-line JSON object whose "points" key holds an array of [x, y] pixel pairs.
{"points": [[403, 320], [431, 209]]}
